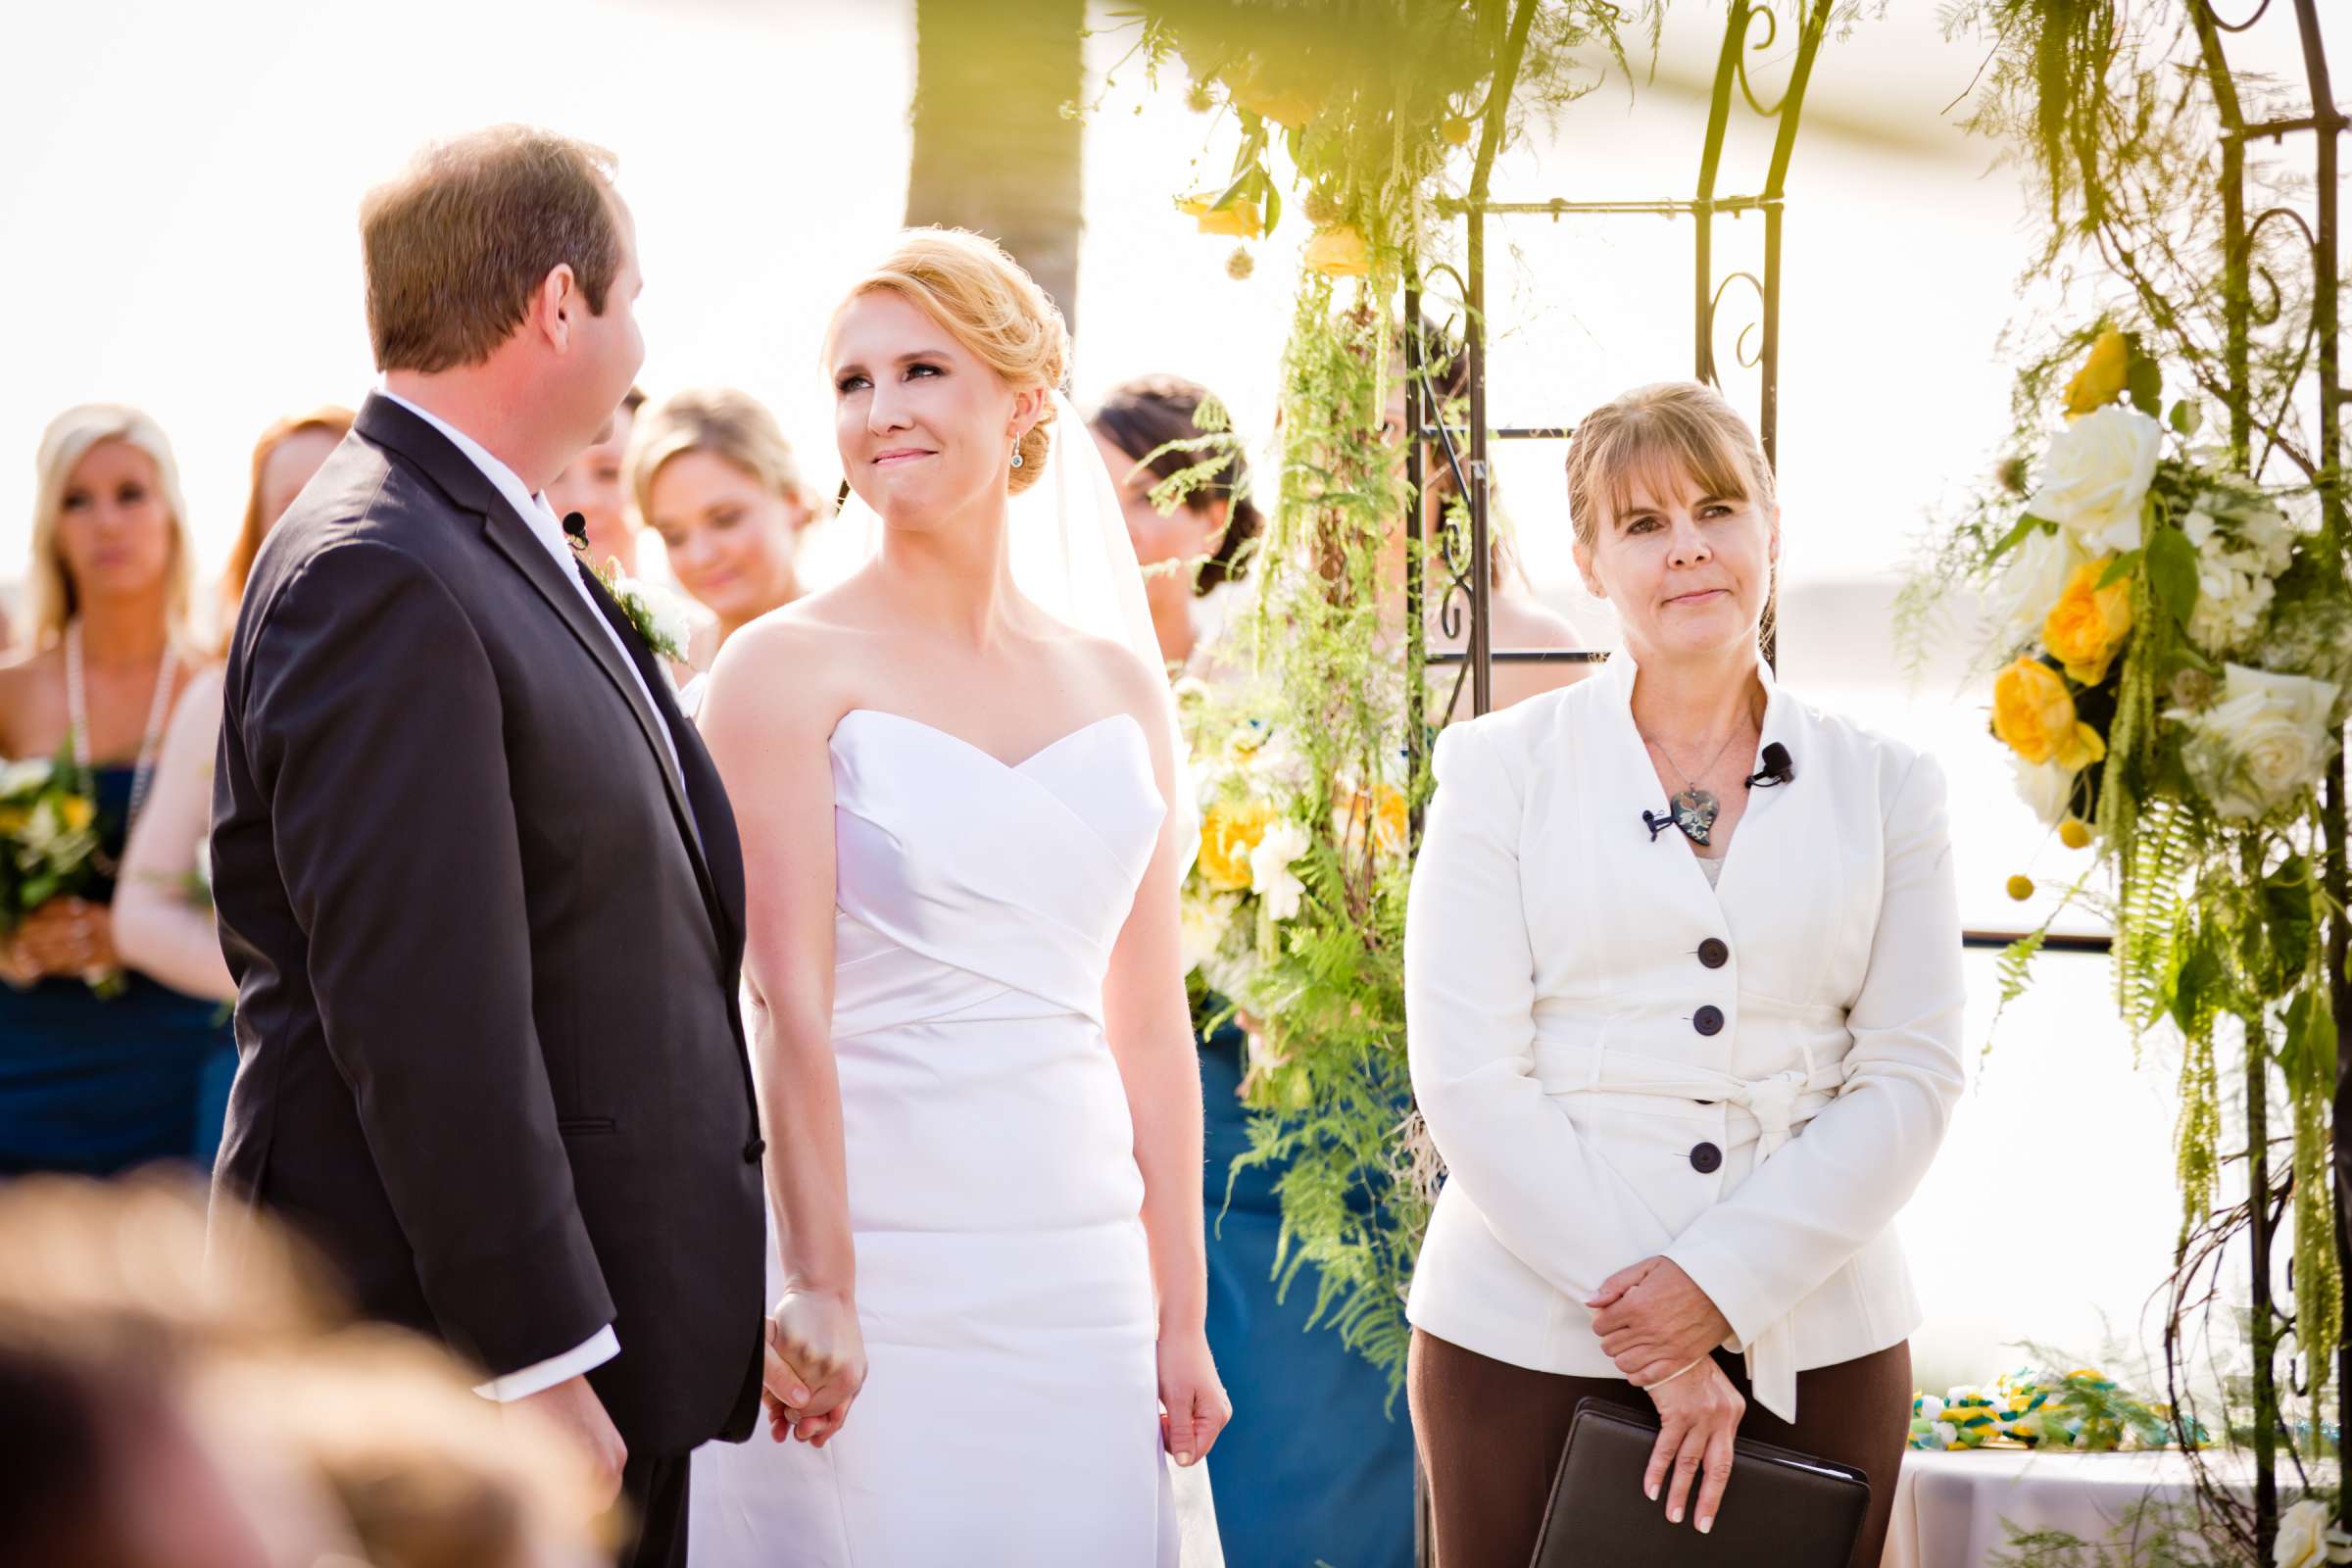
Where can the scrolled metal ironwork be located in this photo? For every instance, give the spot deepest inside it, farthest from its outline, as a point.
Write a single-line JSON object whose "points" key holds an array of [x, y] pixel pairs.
{"points": [[1772, 34], [1740, 352], [2214, 15]]}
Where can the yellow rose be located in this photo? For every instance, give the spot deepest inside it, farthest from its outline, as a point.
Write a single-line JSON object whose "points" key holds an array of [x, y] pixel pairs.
{"points": [[1229, 831], [2102, 377], [1340, 251], [1238, 217], [79, 811], [2088, 625], [1279, 102], [2034, 716]]}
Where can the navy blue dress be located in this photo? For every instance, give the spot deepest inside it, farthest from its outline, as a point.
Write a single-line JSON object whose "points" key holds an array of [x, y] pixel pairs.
{"points": [[97, 1086], [1316, 1467]]}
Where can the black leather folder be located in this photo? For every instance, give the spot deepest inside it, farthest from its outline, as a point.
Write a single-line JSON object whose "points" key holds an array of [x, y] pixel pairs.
{"points": [[1781, 1509]]}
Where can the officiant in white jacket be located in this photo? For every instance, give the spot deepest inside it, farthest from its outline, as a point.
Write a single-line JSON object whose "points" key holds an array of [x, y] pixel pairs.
{"points": [[1684, 995]]}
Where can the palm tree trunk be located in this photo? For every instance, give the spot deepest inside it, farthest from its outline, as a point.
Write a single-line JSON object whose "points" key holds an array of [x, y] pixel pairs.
{"points": [[992, 150]]}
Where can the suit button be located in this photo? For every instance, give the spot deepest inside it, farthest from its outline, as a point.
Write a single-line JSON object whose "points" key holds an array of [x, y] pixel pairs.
{"points": [[753, 1149], [1713, 953], [1706, 1159], [1707, 1020]]}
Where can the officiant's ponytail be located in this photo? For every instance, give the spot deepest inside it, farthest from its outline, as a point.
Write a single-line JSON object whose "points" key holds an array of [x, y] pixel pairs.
{"points": [[969, 285]]}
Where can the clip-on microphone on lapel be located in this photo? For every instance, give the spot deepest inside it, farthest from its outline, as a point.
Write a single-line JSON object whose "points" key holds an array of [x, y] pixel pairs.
{"points": [[1777, 768], [1658, 822], [576, 529]]}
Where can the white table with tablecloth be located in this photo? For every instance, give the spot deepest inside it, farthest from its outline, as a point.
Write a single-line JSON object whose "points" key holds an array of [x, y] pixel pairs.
{"points": [[1957, 1509]]}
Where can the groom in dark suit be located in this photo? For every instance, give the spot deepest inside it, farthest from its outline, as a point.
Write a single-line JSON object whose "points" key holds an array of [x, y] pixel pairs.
{"points": [[476, 878]]}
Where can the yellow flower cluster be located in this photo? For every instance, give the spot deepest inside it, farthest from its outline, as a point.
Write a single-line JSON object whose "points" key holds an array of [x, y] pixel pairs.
{"points": [[2090, 624], [2102, 377], [1239, 217], [1340, 251], [1229, 831], [2033, 714]]}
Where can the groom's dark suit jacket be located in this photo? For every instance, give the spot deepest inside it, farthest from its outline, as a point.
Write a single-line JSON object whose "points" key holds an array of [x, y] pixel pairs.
{"points": [[486, 943]]}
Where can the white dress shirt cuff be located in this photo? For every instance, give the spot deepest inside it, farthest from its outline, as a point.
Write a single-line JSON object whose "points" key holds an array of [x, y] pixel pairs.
{"points": [[602, 1346]]}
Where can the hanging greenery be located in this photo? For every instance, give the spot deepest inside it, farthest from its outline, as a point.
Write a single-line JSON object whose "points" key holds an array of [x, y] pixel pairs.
{"points": [[1358, 115], [2171, 617]]}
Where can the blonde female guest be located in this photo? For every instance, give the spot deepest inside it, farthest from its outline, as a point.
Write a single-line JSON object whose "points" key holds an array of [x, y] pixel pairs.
{"points": [[963, 833], [713, 477], [90, 1082], [163, 924], [1683, 986]]}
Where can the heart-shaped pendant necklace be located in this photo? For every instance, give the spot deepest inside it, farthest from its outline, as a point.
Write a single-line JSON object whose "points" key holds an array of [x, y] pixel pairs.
{"points": [[1694, 808]]}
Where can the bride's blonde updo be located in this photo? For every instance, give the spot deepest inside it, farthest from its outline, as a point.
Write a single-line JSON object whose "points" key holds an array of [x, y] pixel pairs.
{"points": [[967, 284]]}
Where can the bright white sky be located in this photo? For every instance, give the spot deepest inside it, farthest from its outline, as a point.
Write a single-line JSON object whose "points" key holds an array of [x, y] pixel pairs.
{"points": [[180, 210]]}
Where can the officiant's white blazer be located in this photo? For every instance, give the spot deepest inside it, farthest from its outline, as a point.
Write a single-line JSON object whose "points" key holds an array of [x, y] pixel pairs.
{"points": [[1618, 1062]]}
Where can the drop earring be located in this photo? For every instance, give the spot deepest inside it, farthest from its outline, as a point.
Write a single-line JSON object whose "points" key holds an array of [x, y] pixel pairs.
{"points": [[1016, 451]]}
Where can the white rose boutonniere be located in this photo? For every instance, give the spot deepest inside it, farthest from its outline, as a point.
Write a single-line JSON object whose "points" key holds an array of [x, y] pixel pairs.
{"points": [[2096, 478], [659, 616], [2263, 741]]}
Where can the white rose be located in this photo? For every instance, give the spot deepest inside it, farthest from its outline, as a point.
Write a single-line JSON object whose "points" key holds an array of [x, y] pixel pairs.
{"points": [[2231, 596], [2039, 569], [1270, 862], [671, 620], [204, 865], [2302, 1537], [2047, 787], [1200, 929], [2265, 740], [2096, 475]]}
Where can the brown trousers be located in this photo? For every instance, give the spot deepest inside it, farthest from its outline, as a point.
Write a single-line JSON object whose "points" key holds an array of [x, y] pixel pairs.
{"points": [[1490, 1437]]}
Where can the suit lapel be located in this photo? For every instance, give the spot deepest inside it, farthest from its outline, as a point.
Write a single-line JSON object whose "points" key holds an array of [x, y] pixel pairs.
{"points": [[388, 424]]}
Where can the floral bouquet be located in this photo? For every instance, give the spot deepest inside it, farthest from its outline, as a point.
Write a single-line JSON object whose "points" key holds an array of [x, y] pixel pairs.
{"points": [[2159, 603], [49, 845], [2084, 1409], [1259, 799]]}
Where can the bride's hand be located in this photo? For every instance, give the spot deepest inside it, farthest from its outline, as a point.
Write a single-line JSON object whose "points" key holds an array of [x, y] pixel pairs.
{"points": [[1195, 1406], [816, 1366]]}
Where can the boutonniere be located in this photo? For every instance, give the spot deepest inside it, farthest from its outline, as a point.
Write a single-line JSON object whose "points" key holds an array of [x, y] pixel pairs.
{"points": [[659, 616]]}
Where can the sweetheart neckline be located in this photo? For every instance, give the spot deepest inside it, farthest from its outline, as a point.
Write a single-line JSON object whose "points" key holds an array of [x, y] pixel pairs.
{"points": [[983, 752]]}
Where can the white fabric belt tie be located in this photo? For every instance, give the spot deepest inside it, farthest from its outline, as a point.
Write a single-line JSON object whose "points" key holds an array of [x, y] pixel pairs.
{"points": [[1567, 1067]]}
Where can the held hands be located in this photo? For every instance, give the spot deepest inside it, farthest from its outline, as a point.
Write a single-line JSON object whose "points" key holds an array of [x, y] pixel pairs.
{"points": [[1653, 1320], [1195, 1406], [63, 937], [816, 1366]]}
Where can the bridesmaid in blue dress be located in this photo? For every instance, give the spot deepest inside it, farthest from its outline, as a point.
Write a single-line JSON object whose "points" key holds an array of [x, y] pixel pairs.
{"points": [[1317, 1463], [90, 1083]]}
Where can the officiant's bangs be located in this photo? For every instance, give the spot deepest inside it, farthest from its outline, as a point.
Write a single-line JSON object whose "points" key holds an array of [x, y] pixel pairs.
{"points": [[456, 241], [991, 304], [1662, 437]]}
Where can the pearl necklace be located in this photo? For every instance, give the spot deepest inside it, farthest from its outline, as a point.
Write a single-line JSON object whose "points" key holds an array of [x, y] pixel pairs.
{"points": [[77, 716]]}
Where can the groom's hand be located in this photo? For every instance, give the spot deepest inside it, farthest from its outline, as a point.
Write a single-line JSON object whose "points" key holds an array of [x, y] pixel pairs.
{"points": [[574, 1408], [816, 1366]]}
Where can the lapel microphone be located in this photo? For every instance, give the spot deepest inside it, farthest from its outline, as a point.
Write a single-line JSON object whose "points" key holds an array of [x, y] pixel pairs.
{"points": [[576, 529], [1658, 822], [1777, 768]]}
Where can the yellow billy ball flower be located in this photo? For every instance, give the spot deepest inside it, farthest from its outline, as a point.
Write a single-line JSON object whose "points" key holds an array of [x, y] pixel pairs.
{"points": [[2033, 714], [78, 810], [2074, 833], [1456, 131], [1229, 831], [2090, 624], [2102, 377], [2021, 888]]}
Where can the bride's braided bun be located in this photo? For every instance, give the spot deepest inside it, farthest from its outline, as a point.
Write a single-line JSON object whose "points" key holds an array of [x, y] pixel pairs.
{"points": [[967, 284]]}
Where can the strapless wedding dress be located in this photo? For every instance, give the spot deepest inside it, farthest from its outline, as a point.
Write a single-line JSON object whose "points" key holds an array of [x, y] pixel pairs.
{"points": [[1010, 1413]]}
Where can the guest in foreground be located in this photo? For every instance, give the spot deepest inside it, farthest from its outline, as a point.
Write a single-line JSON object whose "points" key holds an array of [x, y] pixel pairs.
{"points": [[1193, 555], [1683, 1076], [452, 784], [713, 477], [162, 904], [99, 1070]]}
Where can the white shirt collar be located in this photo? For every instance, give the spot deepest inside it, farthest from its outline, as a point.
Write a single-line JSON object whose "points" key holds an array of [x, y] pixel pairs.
{"points": [[533, 508]]}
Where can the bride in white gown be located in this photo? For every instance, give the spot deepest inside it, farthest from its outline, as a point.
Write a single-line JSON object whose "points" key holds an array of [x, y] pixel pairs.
{"points": [[962, 828]]}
